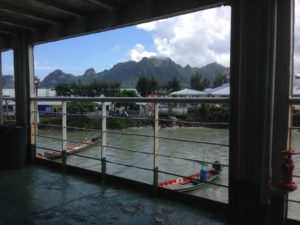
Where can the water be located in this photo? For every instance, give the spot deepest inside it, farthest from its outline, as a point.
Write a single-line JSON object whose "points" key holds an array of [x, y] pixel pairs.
{"points": [[195, 151]]}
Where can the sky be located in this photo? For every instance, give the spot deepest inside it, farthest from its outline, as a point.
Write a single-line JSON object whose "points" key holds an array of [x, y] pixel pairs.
{"points": [[195, 39]]}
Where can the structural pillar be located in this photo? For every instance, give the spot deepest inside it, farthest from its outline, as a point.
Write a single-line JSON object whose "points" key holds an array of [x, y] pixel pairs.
{"points": [[284, 74], [24, 86], [256, 73], [1, 89]]}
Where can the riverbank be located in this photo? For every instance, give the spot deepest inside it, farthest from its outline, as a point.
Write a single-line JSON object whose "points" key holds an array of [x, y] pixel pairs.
{"points": [[124, 123]]}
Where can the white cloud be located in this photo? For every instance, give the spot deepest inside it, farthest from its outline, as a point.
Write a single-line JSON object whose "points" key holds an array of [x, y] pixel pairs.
{"points": [[196, 39], [147, 26], [203, 37], [138, 52]]}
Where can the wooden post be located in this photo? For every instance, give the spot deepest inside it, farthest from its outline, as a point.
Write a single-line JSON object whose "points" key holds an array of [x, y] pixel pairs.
{"points": [[155, 149], [64, 134], [103, 141]]}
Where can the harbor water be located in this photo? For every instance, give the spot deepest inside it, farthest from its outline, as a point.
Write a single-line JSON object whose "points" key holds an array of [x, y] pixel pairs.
{"points": [[170, 160]]}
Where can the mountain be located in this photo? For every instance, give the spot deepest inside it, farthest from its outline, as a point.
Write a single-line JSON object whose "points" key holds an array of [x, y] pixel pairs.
{"points": [[127, 73], [89, 72], [56, 77], [162, 69], [8, 81]]}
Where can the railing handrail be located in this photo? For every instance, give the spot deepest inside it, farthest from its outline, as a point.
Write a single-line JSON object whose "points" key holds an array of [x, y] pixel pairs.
{"points": [[138, 99], [8, 98]]}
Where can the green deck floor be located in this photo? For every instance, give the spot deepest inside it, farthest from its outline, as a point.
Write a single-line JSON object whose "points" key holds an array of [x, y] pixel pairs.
{"points": [[38, 195]]}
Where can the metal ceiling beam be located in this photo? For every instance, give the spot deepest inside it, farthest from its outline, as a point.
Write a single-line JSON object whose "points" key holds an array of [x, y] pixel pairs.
{"points": [[8, 33], [9, 30], [151, 6], [63, 8], [29, 13], [134, 12], [17, 23], [105, 4]]}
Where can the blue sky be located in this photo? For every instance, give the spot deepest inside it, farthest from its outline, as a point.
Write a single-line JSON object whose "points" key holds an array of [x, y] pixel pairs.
{"points": [[100, 51], [177, 38], [194, 39]]}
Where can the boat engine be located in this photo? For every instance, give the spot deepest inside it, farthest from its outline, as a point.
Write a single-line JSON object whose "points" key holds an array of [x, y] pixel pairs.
{"points": [[217, 166]]}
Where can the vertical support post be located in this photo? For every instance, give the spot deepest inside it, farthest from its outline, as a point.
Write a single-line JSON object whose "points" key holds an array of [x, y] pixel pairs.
{"points": [[64, 134], [290, 122], [155, 149], [34, 126], [6, 109], [103, 141], [22, 60], [282, 110], [33, 106], [24, 75], [1, 90], [261, 34]]}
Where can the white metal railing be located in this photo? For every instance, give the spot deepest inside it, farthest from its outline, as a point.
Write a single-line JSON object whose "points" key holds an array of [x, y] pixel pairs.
{"points": [[221, 100], [104, 145]]}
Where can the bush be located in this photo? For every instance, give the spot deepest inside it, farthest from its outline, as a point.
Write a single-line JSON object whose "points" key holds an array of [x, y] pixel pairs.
{"points": [[89, 123]]}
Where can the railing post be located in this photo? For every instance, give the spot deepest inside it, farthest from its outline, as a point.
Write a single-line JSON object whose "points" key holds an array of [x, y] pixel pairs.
{"points": [[155, 149], [34, 127], [64, 134], [6, 107], [103, 141]]}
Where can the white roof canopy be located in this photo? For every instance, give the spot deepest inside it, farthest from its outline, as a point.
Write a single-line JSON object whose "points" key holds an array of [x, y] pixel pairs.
{"points": [[187, 92], [223, 90]]}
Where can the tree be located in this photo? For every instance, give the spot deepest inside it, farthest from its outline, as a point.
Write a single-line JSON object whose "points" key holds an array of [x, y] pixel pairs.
{"points": [[173, 85], [145, 86], [142, 86], [127, 93], [199, 83], [63, 90], [81, 107], [92, 89], [220, 80], [78, 89], [153, 85]]}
